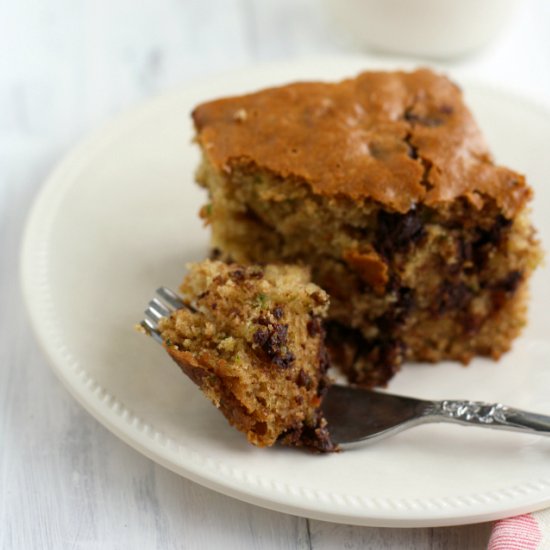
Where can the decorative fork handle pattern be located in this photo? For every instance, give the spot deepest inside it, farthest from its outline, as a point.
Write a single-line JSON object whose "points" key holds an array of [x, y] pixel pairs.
{"points": [[492, 415], [475, 412]]}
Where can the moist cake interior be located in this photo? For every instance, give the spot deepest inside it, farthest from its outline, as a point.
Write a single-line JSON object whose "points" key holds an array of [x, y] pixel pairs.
{"points": [[251, 338], [426, 285]]}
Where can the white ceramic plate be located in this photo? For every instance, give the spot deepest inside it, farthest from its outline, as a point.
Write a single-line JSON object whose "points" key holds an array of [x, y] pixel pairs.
{"points": [[119, 218]]}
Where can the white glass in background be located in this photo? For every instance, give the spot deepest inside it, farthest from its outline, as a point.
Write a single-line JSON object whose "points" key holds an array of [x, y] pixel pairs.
{"points": [[440, 29]]}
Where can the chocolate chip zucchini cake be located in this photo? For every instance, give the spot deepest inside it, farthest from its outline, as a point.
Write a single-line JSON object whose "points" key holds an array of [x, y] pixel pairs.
{"points": [[251, 338], [383, 185]]}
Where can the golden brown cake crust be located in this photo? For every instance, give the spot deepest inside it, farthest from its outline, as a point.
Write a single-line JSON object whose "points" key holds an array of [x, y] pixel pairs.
{"points": [[395, 137]]}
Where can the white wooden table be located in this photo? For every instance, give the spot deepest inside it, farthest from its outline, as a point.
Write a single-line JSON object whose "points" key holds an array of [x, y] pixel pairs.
{"points": [[65, 67]]}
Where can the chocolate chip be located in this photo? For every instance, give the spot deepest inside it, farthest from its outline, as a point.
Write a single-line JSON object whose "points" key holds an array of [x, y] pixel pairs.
{"points": [[284, 360], [322, 441], [262, 320], [394, 283], [397, 232], [279, 335], [464, 252], [389, 359], [505, 288], [215, 254], [395, 316], [260, 337], [496, 233], [405, 301], [314, 327], [510, 283], [378, 361], [272, 340], [314, 435], [293, 436], [319, 440], [278, 312], [261, 428], [343, 343], [369, 362], [237, 275], [453, 297], [488, 239]]}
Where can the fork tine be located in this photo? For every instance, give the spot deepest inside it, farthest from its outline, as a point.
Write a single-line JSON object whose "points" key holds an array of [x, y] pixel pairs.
{"points": [[170, 297], [158, 309], [152, 316], [154, 313], [151, 329]]}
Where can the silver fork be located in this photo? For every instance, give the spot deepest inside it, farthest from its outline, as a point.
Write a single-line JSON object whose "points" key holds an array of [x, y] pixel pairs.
{"points": [[356, 414], [160, 306]]}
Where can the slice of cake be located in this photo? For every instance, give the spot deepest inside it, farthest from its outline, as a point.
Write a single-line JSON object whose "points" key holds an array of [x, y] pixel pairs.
{"points": [[251, 338], [385, 188]]}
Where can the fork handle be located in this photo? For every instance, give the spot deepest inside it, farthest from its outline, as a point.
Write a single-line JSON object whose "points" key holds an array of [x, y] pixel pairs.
{"points": [[490, 415]]}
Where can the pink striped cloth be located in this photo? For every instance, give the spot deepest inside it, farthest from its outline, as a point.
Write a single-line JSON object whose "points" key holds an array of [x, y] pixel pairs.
{"points": [[526, 532]]}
